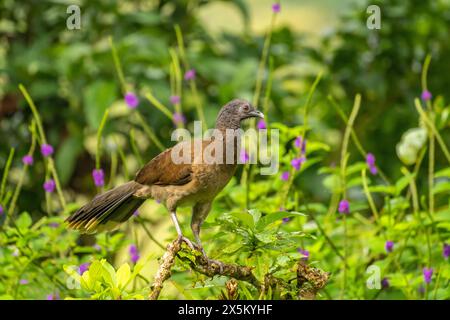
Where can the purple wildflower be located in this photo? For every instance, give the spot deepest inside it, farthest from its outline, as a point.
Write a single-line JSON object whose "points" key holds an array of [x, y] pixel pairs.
{"points": [[286, 219], [46, 150], [54, 225], [344, 207], [389, 246], [23, 281], [446, 251], [99, 177], [426, 95], [27, 159], [276, 7], [49, 186], [285, 176], [297, 162], [261, 124], [175, 99], [134, 253], [136, 213], [1, 210], [83, 268], [305, 254], [189, 75], [179, 118], [53, 296], [97, 247], [385, 283], [131, 100], [370, 159], [243, 156], [298, 142], [427, 274]]}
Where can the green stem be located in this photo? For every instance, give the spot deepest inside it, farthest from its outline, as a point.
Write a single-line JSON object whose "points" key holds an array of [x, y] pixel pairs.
{"points": [[99, 139], [5, 172], [117, 65], [149, 132], [369, 196], [151, 98], [23, 173], [262, 62], [433, 128]]}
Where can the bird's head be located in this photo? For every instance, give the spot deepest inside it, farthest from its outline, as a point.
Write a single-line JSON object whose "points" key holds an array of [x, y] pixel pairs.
{"points": [[231, 114]]}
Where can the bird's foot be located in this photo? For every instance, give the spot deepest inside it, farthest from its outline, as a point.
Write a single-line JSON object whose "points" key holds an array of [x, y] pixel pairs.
{"points": [[187, 241]]}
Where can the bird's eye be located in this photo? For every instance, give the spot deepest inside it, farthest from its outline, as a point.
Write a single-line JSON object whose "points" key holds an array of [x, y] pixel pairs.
{"points": [[246, 107]]}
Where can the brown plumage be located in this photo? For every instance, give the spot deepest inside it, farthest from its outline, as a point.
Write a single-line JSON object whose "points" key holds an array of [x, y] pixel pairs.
{"points": [[174, 184]]}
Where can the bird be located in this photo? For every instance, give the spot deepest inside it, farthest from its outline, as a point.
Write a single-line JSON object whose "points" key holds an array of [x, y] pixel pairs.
{"points": [[192, 183]]}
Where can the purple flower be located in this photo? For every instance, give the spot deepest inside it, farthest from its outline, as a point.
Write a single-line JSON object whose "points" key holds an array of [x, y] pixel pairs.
{"points": [[99, 177], [285, 176], [179, 118], [1, 210], [54, 224], [49, 186], [389, 246], [276, 7], [297, 162], [97, 247], [175, 99], [131, 100], [23, 281], [446, 251], [261, 124], [46, 150], [53, 296], [189, 75], [370, 159], [134, 253], [136, 213], [83, 268], [28, 159], [298, 142], [426, 95], [286, 219], [344, 207], [243, 156], [305, 254], [427, 274], [385, 283]]}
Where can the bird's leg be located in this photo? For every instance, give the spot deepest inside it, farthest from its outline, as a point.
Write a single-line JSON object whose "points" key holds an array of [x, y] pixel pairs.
{"points": [[173, 215], [199, 214]]}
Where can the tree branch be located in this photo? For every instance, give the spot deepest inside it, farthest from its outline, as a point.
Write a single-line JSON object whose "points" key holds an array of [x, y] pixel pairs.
{"points": [[309, 280]]}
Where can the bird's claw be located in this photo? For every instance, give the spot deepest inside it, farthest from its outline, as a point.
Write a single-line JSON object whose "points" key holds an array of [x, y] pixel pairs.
{"points": [[187, 241]]}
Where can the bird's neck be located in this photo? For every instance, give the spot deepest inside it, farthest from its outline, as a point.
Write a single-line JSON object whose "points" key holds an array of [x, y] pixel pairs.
{"points": [[223, 124]]}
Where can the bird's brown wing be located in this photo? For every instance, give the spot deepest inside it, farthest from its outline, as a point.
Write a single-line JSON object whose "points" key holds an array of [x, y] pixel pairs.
{"points": [[162, 171]]}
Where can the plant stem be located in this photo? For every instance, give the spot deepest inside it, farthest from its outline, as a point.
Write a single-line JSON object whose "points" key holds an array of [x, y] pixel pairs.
{"points": [[6, 172]]}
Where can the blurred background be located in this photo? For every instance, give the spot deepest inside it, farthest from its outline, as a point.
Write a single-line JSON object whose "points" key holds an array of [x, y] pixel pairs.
{"points": [[70, 73]]}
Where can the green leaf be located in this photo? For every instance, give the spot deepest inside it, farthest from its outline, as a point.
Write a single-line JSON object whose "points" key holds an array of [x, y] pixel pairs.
{"points": [[245, 218], [97, 98], [24, 221], [123, 275], [256, 214]]}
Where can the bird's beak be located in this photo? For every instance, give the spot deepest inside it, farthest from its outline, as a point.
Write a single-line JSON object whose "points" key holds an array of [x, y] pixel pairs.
{"points": [[256, 114]]}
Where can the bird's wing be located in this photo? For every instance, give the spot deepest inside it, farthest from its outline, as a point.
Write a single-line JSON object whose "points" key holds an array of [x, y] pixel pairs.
{"points": [[161, 170]]}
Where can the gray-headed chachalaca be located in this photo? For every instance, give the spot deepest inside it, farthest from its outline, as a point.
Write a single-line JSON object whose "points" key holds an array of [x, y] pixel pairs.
{"points": [[175, 184]]}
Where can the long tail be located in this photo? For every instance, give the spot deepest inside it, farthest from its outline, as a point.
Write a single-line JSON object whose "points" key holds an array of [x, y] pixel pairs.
{"points": [[107, 210]]}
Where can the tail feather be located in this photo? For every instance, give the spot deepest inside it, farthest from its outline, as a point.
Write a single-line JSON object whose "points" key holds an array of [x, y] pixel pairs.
{"points": [[107, 210]]}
